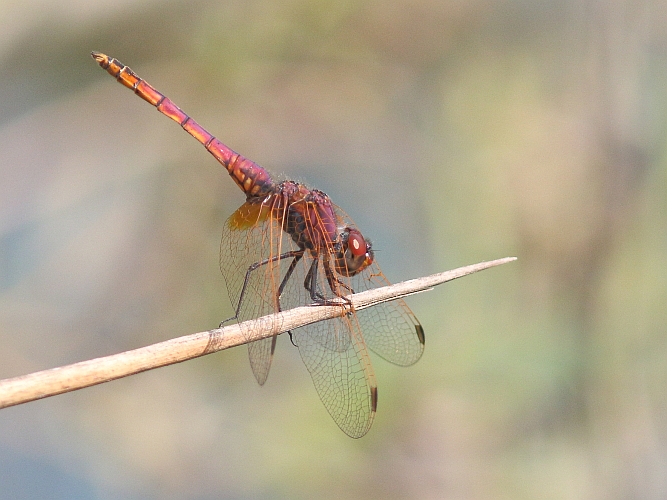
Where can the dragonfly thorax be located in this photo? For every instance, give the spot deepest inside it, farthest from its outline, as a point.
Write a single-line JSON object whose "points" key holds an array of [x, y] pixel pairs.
{"points": [[313, 224], [310, 219]]}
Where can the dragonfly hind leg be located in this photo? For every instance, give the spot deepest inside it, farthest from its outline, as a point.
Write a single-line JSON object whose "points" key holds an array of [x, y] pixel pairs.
{"points": [[297, 257], [297, 254], [261, 351]]}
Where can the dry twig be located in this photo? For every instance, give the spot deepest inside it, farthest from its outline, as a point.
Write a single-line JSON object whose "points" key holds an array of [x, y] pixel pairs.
{"points": [[17, 390]]}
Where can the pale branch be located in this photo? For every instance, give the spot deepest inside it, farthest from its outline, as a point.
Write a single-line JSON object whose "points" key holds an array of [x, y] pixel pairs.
{"points": [[17, 390]]}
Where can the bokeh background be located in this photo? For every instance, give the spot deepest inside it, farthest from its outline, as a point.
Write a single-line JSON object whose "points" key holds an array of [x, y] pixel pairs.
{"points": [[452, 131]]}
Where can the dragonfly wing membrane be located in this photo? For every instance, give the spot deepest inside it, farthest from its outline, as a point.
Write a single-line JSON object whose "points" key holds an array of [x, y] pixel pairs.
{"points": [[393, 332], [391, 329], [344, 379], [260, 353], [249, 240]]}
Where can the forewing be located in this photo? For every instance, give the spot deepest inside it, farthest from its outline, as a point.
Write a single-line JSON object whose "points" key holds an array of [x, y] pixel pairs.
{"points": [[390, 329]]}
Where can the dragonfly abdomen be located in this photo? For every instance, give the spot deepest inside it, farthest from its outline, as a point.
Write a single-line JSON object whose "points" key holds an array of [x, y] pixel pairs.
{"points": [[250, 177]]}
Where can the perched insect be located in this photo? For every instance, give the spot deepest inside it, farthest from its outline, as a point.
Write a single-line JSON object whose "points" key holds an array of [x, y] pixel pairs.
{"points": [[288, 246]]}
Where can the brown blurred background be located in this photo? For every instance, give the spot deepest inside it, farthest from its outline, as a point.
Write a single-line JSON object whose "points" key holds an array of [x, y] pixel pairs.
{"points": [[452, 132]]}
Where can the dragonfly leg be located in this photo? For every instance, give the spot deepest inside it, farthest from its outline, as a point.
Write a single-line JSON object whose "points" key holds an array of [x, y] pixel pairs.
{"points": [[257, 265], [310, 284], [288, 274], [298, 254], [331, 279]]}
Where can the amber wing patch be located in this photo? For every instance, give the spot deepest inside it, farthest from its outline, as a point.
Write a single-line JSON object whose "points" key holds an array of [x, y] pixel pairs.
{"points": [[248, 215]]}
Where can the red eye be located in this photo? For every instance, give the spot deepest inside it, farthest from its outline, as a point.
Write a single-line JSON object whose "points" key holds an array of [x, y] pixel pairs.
{"points": [[353, 253], [356, 244]]}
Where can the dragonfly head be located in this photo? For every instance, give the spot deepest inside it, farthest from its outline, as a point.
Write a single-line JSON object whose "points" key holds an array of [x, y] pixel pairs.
{"points": [[353, 253]]}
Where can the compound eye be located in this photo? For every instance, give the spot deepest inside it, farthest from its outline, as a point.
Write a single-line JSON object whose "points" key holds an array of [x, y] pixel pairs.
{"points": [[356, 243], [354, 253]]}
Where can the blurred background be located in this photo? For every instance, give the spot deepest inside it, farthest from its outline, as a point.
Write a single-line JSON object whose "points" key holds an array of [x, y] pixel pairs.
{"points": [[452, 131]]}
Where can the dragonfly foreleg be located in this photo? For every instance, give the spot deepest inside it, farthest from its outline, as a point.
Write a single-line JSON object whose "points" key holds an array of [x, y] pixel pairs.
{"points": [[331, 279], [310, 284]]}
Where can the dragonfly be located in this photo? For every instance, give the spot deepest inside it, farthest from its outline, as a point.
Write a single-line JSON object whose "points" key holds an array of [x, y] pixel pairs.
{"points": [[286, 246]]}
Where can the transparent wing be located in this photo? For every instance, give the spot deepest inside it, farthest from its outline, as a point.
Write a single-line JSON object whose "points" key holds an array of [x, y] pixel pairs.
{"points": [[334, 353], [343, 376], [390, 329], [256, 257], [252, 242]]}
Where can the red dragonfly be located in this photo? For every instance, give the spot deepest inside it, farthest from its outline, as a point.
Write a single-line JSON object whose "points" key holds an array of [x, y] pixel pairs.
{"points": [[290, 246]]}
